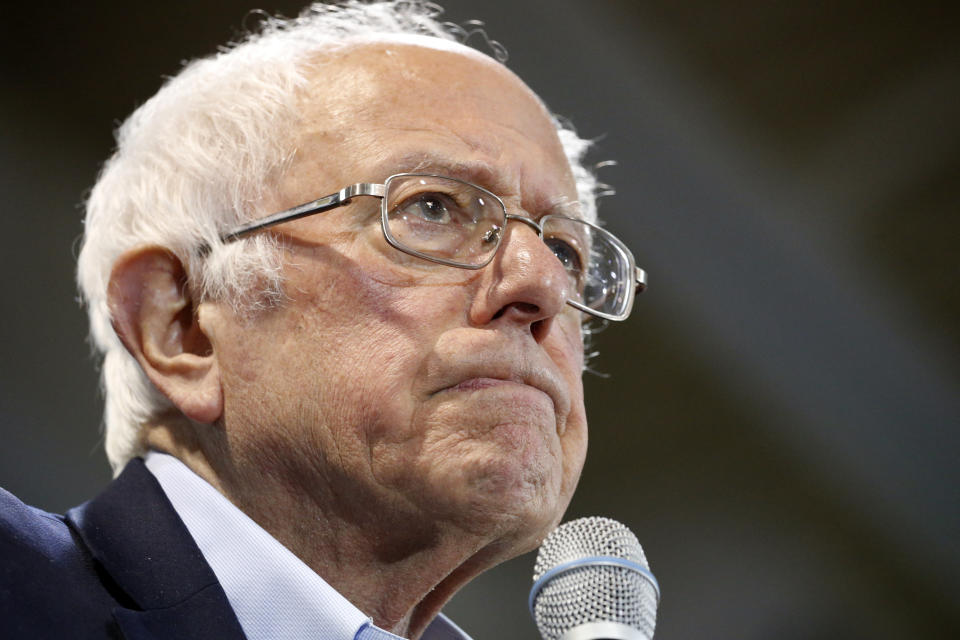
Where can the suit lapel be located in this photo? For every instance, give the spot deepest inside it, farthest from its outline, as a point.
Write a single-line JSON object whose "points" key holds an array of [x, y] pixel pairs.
{"points": [[166, 588]]}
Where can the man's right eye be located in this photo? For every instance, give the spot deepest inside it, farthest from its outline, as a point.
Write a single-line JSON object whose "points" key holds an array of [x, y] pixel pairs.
{"points": [[430, 207]]}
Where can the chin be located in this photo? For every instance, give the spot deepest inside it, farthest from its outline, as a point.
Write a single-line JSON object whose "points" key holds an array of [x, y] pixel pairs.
{"points": [[507, 481], [513, 502], [523, 529]]}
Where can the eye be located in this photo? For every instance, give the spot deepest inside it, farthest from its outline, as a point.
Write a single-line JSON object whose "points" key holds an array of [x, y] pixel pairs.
{"points": [[430, 207], [568, 256]]}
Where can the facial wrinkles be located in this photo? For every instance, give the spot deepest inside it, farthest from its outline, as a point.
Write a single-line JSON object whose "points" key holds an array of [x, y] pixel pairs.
{"points": [[429, 431], [395, 309], [463, 355], [410, 311], [352, 234], [517, 168], [358, 222], [497, 352], [452, 439], [457, 442]]}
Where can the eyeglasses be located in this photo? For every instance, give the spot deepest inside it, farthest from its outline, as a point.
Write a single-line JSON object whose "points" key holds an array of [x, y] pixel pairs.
{"points": [[459, 224]]}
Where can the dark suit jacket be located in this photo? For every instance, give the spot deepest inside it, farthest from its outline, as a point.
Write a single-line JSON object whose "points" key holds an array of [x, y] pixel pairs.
{"points": [[120, 566]]}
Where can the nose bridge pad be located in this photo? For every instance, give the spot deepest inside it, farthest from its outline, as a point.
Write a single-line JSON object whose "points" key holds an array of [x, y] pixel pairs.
{"points": [[533, 224]]}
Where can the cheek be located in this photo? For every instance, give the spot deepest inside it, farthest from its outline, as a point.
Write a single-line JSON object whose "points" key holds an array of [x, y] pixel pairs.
{"points": [[359, 338], [346, 342], [565, 347], [565, 344], [574, 443]]}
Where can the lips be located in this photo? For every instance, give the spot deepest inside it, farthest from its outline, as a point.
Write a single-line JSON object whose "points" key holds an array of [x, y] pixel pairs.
{"points": [[484, 371], [475, 384]]}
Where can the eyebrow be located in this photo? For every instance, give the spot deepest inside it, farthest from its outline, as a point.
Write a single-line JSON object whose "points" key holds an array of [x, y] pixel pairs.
{"points": [[562, 205], [429, 162]]}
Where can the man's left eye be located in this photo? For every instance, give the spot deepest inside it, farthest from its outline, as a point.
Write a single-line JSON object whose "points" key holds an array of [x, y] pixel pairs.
{"points": [[568, 256]]}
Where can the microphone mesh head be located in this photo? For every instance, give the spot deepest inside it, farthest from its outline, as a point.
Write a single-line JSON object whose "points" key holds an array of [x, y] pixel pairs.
{"points": [[593, 593]]}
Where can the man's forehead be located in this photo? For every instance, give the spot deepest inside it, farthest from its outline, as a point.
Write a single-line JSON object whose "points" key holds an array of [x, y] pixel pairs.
{"points": [[379, 71], [419, 104]]}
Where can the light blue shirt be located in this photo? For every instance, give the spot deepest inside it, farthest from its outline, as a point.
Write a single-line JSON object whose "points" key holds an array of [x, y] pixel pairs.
{"points": [[273, 593]]}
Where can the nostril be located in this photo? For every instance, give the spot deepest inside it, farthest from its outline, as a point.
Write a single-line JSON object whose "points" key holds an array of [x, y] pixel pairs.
{"points": [[539, 329], [527, 308], [521, 308]]}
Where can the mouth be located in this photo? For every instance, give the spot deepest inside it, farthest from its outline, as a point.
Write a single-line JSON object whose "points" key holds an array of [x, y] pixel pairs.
{"points": [[476, 384], [536, 379]]}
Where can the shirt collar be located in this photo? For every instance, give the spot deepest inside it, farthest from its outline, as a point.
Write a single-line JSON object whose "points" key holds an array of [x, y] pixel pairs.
{"points": [[273, 593]]}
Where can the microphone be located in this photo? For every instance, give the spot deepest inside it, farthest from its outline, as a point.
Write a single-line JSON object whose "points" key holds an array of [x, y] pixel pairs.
{"points": [[592, 582]]}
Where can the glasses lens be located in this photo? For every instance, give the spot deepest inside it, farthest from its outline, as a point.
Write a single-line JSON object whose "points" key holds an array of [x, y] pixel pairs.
{"points": [[599, 265], [443, 219]]}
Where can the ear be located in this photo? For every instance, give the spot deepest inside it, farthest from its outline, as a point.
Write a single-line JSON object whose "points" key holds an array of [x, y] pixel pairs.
{"points": [[156, 319]]}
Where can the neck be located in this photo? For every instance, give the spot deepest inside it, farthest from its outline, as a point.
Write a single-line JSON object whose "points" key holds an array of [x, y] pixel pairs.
{"points": [[396, 566]]}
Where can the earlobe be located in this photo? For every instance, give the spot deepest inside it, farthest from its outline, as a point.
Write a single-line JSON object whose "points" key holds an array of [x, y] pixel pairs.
{"points": [[155, 317]]}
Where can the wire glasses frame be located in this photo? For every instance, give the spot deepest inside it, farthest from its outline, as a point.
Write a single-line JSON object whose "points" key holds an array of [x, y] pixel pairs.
{"points": [[457, 223]]}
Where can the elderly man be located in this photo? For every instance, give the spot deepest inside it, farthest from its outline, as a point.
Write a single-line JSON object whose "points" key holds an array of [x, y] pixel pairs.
{"points": [[330, 418]]}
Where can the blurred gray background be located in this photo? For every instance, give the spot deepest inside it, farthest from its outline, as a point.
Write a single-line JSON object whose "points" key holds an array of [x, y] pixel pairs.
{"points": [[780, 421]]}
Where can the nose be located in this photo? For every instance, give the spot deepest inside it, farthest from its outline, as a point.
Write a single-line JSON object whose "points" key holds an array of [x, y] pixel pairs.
{"points": [[524, 285]]}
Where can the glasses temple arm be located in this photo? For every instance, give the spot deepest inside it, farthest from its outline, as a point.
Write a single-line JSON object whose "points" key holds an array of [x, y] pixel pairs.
{"points": [[320, 205], [317, 206]]}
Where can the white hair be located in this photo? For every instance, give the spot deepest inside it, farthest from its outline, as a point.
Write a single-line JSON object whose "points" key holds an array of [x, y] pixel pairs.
{"points": [[195, 159]]}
